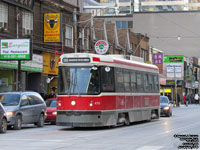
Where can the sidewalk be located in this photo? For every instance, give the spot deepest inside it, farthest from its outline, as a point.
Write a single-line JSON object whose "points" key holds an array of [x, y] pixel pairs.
{"points": [[189, 105]]}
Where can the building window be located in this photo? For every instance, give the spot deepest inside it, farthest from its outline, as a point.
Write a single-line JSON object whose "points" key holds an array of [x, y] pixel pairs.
{"points": [[27, 23], [3, 15], [124, 24], [143, 54], [69, 36]]}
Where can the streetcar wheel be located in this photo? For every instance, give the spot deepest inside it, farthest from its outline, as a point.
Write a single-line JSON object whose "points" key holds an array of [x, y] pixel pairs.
{"points": [[127, 121]]}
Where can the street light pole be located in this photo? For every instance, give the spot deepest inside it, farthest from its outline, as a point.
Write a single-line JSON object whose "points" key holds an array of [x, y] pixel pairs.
{"points": [[175, 85]]}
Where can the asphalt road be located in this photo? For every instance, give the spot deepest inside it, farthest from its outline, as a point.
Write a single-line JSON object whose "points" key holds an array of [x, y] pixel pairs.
{"points": [[162, 134]]}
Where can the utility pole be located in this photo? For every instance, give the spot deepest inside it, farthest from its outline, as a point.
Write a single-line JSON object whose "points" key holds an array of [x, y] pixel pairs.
{"points": [[19, 61], [75, 30]]}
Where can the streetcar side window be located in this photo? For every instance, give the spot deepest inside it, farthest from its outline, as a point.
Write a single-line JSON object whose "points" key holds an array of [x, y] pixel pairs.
{"points": [[127, 81], [139, 82], [146, 83], [107, 80], [156, 83], [150, 77], [133, 82], [119, 80]]}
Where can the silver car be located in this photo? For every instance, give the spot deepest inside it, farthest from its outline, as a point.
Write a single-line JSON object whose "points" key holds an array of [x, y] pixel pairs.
{"points": [[3, 120], [23, 108]]}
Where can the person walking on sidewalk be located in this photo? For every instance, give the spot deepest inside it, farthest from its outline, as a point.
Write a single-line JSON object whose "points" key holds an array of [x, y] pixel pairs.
{"points": [[196, 97], [186, 99]]}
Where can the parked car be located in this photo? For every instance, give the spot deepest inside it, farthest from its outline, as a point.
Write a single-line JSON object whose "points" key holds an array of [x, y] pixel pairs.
{"points": [[23, 108], [3, 120], [51, 110], [165, 106]]}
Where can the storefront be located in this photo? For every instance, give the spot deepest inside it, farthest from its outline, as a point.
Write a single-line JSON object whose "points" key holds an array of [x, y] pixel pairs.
{"points": [[8, 74]]}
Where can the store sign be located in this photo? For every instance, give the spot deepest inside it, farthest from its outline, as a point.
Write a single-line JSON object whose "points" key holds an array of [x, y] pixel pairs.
{"points": [[158, 61], [50, 63], [101, 47], [27, 4], [174, 71], [35, 65], [173, 59], [15, 49], [52, 27]]}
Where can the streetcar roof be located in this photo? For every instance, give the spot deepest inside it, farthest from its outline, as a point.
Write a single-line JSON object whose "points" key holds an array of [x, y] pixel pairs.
{"points": [[116, 59]]}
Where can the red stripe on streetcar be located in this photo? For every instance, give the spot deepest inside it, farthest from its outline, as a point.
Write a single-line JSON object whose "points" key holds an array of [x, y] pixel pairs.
{"points": [[95, 59]]}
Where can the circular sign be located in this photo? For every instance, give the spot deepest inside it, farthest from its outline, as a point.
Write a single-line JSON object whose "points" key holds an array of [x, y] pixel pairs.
{"points": [[101, 46]]}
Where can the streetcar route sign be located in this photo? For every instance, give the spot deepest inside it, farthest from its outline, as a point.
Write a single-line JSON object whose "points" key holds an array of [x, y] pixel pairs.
{"points": [[101, 47]]}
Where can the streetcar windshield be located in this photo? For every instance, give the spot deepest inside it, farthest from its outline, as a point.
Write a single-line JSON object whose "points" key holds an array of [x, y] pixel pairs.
{"points": [[78, 80]]}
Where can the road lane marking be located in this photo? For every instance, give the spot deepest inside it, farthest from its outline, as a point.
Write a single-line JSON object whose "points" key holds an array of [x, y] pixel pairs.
{"points": [[150, 148]]}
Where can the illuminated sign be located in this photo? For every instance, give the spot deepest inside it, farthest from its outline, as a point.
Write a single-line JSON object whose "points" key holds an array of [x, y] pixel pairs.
{"points": [[158, 61], [173, 59], [52, 27], [15, 49], [50, 63], [101, 47], [75, 60]]}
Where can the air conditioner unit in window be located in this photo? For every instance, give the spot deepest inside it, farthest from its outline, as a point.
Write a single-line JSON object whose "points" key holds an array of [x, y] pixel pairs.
{"points": [[3, 26], [28, 32]]}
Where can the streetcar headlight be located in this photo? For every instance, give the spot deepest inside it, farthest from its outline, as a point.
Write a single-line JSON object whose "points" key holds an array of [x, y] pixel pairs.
{"points": [[73, 103], [54, 113], [91, 103], [59, 103], [166, 108]]}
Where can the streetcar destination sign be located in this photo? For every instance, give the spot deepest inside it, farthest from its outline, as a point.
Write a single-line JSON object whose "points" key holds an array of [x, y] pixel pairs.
{"points": [[15, 49], [76, 60]]}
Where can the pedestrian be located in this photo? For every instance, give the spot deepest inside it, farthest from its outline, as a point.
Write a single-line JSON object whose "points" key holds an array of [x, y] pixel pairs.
{"points": [[196, 97], [187, 99], [179, 100], [184, 98], [53, 93]]}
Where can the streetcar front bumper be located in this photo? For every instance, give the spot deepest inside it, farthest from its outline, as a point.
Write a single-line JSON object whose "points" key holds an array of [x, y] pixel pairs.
{"points": [[86, 118]]}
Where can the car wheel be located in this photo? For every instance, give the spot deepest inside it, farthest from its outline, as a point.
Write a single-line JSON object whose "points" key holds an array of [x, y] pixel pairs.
{"points": [[40, 122], [18, 123], [168, 114], [3, 126]]}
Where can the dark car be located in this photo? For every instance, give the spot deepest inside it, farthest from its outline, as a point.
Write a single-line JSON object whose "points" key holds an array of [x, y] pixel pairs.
{"points": [[51, 110], [165, 106], [3, 120], [23, 108]]}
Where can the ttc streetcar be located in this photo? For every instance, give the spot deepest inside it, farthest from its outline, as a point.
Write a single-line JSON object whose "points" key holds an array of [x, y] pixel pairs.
{"points": [[105, 90]]}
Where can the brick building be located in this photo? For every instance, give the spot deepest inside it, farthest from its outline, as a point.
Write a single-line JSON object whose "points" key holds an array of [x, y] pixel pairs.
{"points": [[26, 20]]}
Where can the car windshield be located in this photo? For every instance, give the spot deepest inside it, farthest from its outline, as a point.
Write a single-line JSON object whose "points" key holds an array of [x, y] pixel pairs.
{"points": [[78, 80], [9, 99], [51, 103], [163, 100]]}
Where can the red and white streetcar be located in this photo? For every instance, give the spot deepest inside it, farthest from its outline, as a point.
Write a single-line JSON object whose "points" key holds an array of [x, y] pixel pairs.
{"points": [[105, 90]]}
